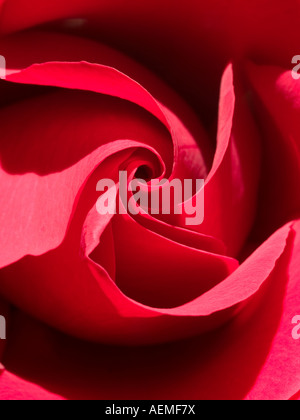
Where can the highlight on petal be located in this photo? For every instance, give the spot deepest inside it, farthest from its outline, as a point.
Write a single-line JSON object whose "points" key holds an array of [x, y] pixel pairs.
{"points": [[13, 388], [232, 184]]}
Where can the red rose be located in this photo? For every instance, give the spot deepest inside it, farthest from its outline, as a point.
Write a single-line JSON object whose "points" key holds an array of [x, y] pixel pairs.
{"points": [[146, 307]]}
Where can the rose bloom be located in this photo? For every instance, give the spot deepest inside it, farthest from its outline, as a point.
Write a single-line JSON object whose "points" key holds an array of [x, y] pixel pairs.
{"points": [[145, 307]]}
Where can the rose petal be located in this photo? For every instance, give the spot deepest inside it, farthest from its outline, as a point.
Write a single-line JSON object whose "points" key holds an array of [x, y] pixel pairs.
{"points": [[232, 184], [237, 201], [38, 190], [97, 309], [13, 388], [296, 397], [252, 357], [185, 43], [277, 108]]}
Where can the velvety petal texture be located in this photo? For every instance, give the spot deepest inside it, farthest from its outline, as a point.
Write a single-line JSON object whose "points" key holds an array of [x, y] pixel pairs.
{"points": [[93, 303]]}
